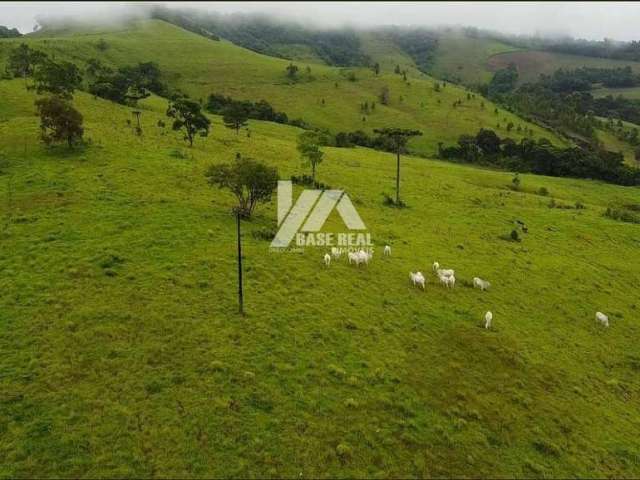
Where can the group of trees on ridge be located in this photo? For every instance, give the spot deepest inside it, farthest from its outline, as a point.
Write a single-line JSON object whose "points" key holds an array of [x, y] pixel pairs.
{"points": [[541, 157]]}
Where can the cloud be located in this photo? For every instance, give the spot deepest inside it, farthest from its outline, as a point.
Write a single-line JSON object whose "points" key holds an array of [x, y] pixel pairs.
{"points": [[591, 20]]}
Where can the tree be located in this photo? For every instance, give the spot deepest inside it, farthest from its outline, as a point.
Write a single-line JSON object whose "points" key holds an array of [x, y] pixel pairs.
{"points": [[488, 141], [308, 146], [376, 68], [235, 117], [23, 60], [188, 116], [398, 137], [59, 121], [60, 79], [252, 182], [292, 71]]}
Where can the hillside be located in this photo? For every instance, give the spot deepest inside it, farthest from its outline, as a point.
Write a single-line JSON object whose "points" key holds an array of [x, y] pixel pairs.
{"points": [[531, 64], [123, 354], [464, 58], [200, 66]]}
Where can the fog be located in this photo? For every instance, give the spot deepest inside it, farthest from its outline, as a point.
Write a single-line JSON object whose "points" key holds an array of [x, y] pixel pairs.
{"points": [[589, 20]]}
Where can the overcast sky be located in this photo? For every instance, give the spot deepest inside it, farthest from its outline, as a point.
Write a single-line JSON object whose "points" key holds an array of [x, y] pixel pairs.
{"points": [[592, 20]]}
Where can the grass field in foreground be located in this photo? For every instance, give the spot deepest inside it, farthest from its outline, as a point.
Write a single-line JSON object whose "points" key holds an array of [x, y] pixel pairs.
{"points": [[200, 67], [123, 355]]}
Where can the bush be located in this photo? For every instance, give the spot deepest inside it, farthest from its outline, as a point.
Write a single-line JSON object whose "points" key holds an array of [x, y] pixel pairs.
{"points": [[622, 215], [543, 191], [266, 234], [308, 181]]}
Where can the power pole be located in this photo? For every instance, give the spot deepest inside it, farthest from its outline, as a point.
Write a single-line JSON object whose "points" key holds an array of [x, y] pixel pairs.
{"points": [[240, 296], [398, 172]]}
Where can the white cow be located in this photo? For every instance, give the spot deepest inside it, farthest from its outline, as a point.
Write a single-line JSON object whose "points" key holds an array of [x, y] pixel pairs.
{"points": [[327, 259], [336, 252], [417, 279], [387, 250], [602, 318], [436, 266], [353, 258], [487, 319], [364, 257], [447, 281], [481, 284], [445, 272]]}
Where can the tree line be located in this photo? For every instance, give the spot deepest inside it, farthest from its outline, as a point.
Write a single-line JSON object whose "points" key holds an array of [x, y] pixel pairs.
{"points": [[541, 157]]}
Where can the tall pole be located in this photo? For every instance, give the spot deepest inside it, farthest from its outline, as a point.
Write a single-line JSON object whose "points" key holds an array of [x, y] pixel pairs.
{"points": [[398, 175], [240, 298]]}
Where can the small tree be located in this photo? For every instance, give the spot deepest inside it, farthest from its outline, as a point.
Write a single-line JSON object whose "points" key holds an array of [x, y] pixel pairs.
{"points": [[59, 121], [235, 117], [23, 60], [251, 182], [188, 116], [292, 71], [516, 181], [60, 79], [308, 146], [398, 138], [376, 68]]}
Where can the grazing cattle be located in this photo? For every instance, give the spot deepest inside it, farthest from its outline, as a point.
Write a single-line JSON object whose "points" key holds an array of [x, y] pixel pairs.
{"points": [[481, 284], [387, 250], [445, 272], [353, 258], [364, 257], [327, 259], [436, 266], [602, 318], [336, 252], [447, 280], [487, 319], [417, 279]]}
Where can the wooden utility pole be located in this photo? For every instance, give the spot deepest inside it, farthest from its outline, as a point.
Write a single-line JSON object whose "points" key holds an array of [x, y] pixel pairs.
{"points": [[240, 295]]}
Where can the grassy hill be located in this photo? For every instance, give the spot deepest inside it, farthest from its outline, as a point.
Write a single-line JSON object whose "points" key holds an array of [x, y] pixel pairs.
{"points": [[464, 58], [200, 66], [531, 63], [123, 354]]}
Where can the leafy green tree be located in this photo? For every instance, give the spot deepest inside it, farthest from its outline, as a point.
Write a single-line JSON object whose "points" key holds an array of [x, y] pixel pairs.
{"points": [[398, 137], [310, 152], [235, 117], [59, 121], [187, 115], [252, 182], [23, 60], [60, 79], [292, 71]]}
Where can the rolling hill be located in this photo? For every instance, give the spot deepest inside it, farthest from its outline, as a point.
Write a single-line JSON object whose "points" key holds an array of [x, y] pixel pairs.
{"points": [[200, 66], [531, 63], [123, 354]]}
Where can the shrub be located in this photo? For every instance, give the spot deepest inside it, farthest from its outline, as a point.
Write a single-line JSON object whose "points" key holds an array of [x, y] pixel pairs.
{"points": [[266, 234], [543, 191]]}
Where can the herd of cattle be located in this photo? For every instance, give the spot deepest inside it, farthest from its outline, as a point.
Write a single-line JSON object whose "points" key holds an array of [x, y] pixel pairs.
{"points": [[445, 275]]}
